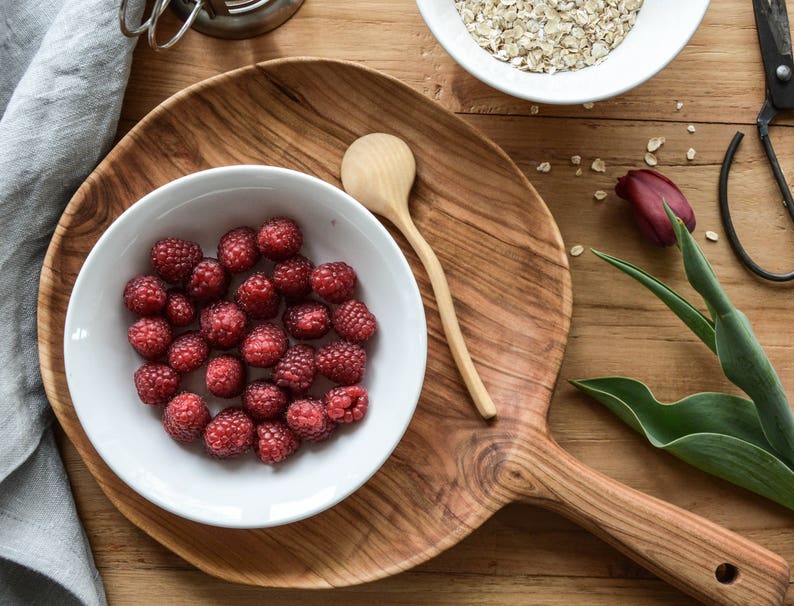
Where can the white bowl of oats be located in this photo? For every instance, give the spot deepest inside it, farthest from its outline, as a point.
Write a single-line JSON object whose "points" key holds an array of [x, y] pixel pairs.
{"points": [[563, 51]]}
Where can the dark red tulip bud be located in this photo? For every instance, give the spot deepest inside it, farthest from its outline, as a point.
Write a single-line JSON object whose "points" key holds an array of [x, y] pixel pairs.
{"points": [[645, 190]]}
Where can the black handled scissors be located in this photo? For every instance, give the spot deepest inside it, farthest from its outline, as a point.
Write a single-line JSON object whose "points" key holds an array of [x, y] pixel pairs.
{"points": [[774, 37]]}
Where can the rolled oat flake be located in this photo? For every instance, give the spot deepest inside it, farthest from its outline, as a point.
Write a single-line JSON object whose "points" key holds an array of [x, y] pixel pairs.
{"points": [[549, 35]]}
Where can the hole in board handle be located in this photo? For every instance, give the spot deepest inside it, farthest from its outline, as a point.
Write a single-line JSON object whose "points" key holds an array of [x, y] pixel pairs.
{"points": [[726, 573]]}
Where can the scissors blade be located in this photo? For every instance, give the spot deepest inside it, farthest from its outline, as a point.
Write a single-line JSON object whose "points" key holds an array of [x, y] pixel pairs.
{"points": [[774, 37]]}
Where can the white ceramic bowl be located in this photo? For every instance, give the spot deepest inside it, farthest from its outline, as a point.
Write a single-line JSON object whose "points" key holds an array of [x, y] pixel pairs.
{"points": [[662, 30], [128, 435]]}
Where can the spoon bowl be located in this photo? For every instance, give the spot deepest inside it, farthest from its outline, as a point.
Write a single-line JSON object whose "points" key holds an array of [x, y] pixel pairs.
{"points": [[380, 169]]}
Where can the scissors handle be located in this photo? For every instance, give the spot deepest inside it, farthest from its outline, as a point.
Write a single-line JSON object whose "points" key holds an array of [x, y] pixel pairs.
{"points": [[765, 117], [767, 114]]}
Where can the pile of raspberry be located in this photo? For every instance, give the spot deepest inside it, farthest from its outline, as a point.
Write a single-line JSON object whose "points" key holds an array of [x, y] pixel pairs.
{"points": [[192, 320]]}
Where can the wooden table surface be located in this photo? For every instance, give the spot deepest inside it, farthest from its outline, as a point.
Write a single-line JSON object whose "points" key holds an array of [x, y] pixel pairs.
{"points": [[524, 555]]}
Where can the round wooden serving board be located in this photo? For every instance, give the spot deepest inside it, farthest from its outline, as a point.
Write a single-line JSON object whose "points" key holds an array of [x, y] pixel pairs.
{"points": [[508, 274]]}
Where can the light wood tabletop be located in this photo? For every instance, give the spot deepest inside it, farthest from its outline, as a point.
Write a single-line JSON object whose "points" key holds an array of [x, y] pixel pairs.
{"points": [[525, 555]]}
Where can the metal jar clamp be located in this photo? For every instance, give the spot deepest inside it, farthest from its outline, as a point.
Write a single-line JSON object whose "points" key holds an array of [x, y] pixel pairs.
{"points": [[234, 19]]}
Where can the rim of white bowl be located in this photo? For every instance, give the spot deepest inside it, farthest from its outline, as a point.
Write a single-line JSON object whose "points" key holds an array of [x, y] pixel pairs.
{"points": [[455, 44], [139, 207]]}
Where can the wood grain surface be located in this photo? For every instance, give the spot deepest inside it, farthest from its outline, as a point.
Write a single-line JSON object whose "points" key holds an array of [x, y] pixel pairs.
{"points": [[522, 554], [451, 471]]}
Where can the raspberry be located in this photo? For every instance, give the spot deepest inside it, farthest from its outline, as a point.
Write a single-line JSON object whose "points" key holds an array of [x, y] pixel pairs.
{"points": [[347, 404], [354, 322], [342, 362], [264, 345], [307, 320], [156, 383], [185, 417], [275, 441], [257, 297], [179, 310], [237, 250], [308, 419], [293, 276], [229, 434], [334, 282], [225, 376], [173, 259], [208, 281], [223, 324], [144, 295], [296, 369], [279, 238], [264, 400], [150, 336], [188, 352]]}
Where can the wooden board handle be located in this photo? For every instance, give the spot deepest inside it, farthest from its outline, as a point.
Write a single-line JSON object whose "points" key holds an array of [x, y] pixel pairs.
{"points": [[710, 563]]}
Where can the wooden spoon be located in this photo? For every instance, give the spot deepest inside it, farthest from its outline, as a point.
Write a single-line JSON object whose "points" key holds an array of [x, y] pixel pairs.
{"points": [[378, 170]]}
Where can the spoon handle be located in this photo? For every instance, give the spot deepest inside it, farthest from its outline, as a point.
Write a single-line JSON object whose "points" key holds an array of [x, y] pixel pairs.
{"points": [[449, 319]]}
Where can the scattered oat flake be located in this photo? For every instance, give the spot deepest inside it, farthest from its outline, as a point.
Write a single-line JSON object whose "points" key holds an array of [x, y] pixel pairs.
{"points": [[712, 235], [576, 160], [679, 106], [600, 195], [598, 166], [578, 173], [655, 143], [534, 109], [588, 105], [690, 153], [650, 159], [691, 128], [577, 250], [544, 167]]}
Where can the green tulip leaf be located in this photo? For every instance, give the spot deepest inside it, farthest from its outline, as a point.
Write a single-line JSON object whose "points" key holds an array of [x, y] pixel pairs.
{"points": [[699, 324], [718, 433], [698, 269], [746, 365], [741, 356]]}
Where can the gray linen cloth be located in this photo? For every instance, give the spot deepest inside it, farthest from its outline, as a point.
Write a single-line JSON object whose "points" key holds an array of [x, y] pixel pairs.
{"points": [[63, 69]]}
